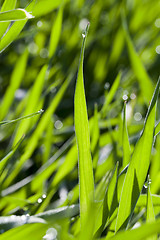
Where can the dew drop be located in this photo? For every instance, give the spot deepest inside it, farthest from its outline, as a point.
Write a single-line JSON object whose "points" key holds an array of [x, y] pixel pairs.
{"points": [[137, 116], [51, 234], [44, 196], [58, 124], [83, 35], [39, 200], [132, 96], [125, 97]]}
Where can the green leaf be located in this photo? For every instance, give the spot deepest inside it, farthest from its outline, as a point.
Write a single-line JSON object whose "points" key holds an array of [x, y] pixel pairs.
{"points": [[59, 213], [125, 140], [150, 210], [56, 32], [43, 7], [83, 143], [7, 5], [111, 94], [138, 167], [14, 30], [141, 74], [33, 141], [139, 233], [16, 78], [33, 99], [15, 15]]}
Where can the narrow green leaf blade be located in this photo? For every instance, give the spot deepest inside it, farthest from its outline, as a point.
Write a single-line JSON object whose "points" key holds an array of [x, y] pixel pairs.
{"points": [[138, 167], [14, 15], [125, 140], [83, 142], [7, 5], [56, 32]]}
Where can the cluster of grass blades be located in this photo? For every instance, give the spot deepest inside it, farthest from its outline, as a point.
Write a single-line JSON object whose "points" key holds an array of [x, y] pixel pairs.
{"points": [[94, 173]]}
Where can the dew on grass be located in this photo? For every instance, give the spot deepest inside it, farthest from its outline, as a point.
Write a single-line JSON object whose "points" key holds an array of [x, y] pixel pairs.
{"points": [[125, 97], [39, 200], [51, 234], [137, 116], [39, 24], [132, 96], [58, 124], [83, 35], [107, 85], [44, 196], [158, 49], [157, 23], [44, 53], [83, 23]]}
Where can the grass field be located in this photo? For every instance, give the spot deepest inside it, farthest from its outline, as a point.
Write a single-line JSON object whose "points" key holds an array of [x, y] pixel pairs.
{"points": [[79, 119]]}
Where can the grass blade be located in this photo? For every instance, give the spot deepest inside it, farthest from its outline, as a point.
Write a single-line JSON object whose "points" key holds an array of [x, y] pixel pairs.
{"points": [[138, 167], [125, 140], [144, 80], [15, 82], [14, 15], [7, 5], [83, 143], [56, 32]]}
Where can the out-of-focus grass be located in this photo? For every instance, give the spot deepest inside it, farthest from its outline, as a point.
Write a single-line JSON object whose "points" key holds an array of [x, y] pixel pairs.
{"points": [[52, 186]]}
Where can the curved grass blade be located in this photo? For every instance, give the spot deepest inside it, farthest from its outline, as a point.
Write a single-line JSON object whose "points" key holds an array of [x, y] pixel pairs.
{"points": [[14, 30], [86, 182], [139, 233], [21, 118], [4, 160], [150, 210], [32, 143], [56, 32], [125, 140], [111, 94], [7, 5], [138, 167], [15, 82], [15, 15], [144, 80]]}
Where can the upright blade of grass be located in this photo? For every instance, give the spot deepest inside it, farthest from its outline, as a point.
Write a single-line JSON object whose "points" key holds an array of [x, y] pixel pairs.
{"points": [[32, 143], [125, 140], [150, 210], [138, 167], [86, 182], [4, 160], [14, 30], [32, 102], [14, 15], [95, 138], [43, 7], [138, 68], [7, 5], [110, 200], [111, 94], [56, 32], [15, 82], [139, 233]]}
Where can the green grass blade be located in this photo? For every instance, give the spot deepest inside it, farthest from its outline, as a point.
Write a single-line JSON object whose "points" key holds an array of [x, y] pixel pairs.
{"points": [[111, 94], [150, 210], [56, 32], [138, 167], [140, 233], [33, 100], [144, 80], [125, 140], [4, 160], [21, 118], [14, 30], [59, 213], [33, 141], [7, 5], [83, 142], [16, 79], [43, 7], [14, 15], [95, 135]]}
